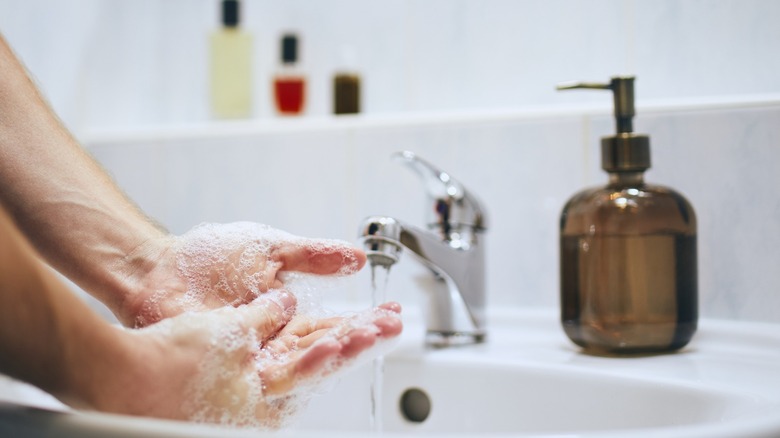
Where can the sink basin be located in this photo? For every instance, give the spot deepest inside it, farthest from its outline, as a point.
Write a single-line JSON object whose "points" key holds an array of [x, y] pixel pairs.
{"points": [[481, 397], [527, 380]]}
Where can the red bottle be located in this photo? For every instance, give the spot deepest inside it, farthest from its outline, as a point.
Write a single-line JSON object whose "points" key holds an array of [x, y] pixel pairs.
{"points": [[289, 83]]}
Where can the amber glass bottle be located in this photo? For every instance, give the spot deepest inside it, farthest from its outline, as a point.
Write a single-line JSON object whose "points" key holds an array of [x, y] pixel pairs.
{"points": [[628, 251], [346, 84], [346, 93]]}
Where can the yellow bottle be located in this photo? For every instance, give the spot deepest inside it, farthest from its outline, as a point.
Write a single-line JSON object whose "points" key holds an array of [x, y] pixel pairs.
{"points": [[231, 66]]}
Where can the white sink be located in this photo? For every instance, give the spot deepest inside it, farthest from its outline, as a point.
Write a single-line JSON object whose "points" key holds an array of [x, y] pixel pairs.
{"points": [[481, 397], [527, 380]]}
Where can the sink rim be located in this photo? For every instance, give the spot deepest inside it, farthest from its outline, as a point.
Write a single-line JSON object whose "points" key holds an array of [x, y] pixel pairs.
{"points": [[52, 423], [725, 356], [715, 404]]}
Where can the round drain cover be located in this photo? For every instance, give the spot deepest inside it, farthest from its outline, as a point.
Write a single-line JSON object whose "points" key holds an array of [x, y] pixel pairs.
{"points": [[415, 405]]}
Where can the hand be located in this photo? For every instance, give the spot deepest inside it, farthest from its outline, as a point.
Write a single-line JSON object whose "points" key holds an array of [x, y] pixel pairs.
{"points": [[215, 265], [346, 337], [235, 366]]}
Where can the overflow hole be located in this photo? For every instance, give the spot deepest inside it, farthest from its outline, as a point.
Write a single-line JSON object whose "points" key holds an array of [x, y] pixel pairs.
{"points": [[415, 405]]}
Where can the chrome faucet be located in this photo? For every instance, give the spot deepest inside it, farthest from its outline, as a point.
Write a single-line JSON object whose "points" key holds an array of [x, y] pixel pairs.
{"points": [[451, 247]]}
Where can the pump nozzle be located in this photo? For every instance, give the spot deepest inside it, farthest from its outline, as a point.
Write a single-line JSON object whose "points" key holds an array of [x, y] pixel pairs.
{"points": [[623, 91], [624, 151]]}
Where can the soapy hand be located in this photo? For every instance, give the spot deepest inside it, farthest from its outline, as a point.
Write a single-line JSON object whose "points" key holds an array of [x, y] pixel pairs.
{"points": [[235, 349], [252, 365], [215, 265]]}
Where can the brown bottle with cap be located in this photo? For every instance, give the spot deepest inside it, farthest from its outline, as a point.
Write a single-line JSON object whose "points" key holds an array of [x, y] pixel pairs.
{"points": [[628, 250]]}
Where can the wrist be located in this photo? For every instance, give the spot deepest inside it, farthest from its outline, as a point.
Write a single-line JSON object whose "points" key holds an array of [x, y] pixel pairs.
{"points": [[88, 360], [148, 271], [123, 377]]}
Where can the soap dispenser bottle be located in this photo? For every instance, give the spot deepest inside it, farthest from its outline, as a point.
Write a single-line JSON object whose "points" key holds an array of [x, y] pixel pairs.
{"points": [[628, 250]]}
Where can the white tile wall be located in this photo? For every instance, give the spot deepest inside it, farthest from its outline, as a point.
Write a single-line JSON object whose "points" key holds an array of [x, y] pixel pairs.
{"points": [[105, 63], [321, 179], [727, 163], [112, 69]]}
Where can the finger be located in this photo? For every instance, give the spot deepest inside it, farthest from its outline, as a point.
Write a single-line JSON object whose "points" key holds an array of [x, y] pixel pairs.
{"points": [[310, 339], [357, 340], [268, 313], [323, 257], [391, 306], [388, 321], [304, 325], [287, 344], [389, 326], [268, 275], [280, 379], [300, 333], [280, 345], [310, 331]]}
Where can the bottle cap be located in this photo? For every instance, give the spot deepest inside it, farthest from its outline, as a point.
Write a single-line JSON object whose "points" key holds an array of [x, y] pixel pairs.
{"points": [[289, 48], [230, 13], [624, 151]]}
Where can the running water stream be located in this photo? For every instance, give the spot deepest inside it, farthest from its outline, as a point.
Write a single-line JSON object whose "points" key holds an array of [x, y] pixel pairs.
{"points": [[379, 278]]}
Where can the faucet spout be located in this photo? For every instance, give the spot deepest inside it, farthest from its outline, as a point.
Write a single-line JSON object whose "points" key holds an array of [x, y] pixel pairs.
{"points": [[455, 314], [450, 247]]}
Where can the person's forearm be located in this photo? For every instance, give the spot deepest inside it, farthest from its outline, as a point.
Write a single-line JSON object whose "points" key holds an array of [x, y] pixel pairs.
{"points": [[62, 200], [48, 337]]}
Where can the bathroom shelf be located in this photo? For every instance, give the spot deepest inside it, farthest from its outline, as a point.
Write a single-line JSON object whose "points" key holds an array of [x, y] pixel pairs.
{"points": [[235, 128]]}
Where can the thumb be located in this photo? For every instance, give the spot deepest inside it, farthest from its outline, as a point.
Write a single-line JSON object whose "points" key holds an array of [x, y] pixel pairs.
{"points": [[321, 256], [268, 313]]}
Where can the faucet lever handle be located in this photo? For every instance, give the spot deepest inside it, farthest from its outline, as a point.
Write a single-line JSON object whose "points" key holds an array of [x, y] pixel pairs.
{"points": [[453, 205]]}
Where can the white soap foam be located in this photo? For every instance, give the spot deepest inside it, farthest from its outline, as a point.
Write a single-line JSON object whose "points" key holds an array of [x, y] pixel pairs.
{"points": [[249, 406], [232, 260], [332, 370], [238, 260]]}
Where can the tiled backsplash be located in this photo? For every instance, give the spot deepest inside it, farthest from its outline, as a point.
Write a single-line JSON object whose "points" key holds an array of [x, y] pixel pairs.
{"points": [[453, 80], [321, 177]]}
